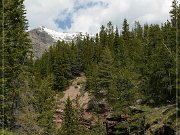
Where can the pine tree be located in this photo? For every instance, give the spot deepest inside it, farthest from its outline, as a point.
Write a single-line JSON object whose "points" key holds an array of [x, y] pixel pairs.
{"points": [[44, 102], [62, 66], [16, 58], [110, 35], [138, 31], [173, 12], [116, 41], [60, 81], [160, 66], [174, 17], [103, 36], [75, 60], [69, 123], [125, 32], [104, 73]]}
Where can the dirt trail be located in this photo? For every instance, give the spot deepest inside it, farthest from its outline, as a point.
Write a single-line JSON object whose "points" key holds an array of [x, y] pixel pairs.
{"points": [[73, 91]]}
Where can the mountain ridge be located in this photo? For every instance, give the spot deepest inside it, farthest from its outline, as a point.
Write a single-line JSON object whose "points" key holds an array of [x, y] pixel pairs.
{"points": [[64, 36], [42, 38]]}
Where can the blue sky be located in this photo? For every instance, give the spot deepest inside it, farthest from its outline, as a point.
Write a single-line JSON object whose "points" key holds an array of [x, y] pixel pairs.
{"points": [[64, 23], [89, 15]]}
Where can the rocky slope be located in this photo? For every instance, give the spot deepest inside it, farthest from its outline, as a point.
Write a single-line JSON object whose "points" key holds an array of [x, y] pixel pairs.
{"points": [[76, 94], [41, 41]]}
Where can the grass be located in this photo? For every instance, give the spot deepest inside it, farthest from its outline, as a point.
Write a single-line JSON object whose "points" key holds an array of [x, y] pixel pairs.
{"points": [[5, 132]]}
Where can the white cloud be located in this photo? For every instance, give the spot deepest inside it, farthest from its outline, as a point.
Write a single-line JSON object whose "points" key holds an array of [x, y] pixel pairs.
{"points": [[40, 12], [89, 18]]}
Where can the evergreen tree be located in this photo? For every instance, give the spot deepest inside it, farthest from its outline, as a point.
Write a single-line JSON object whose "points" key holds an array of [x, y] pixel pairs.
{"points": [[110, 35], [125, 32], [69, 123], [44, 103], [76, 67], [118, 48], [160, 67], [103, 36], [116, 41], [61, 66], [174, 18], [60, 80], [104, 73], [173, 12], [138, 31], [16, 57]]}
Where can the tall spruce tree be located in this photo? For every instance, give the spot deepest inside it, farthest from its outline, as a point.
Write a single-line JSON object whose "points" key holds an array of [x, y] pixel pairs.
{"points": [[125, 32], [174, 17], [69, 121], [16, 58], [104, 73]]}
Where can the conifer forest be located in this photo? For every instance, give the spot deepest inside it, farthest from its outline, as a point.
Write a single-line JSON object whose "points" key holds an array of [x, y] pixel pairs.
{"points": [[122, 81]]}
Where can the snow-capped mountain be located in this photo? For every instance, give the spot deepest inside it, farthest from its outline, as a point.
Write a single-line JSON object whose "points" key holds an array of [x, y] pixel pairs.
{"points": [[42, 38], [63, 35]]}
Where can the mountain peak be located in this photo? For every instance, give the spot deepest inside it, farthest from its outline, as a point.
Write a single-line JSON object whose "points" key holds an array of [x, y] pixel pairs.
{"points": [[42, 38], [62, 36]]}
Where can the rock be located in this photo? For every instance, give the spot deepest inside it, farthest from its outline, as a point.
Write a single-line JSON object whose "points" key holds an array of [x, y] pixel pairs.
{"points": [[135, 109], [59, 121], [41, 42], [139, 101], [87, 115], [59, 111]]}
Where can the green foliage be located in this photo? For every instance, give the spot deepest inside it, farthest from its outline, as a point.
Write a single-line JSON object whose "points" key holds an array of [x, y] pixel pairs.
{"points": [[125, 32], [16, 61], [104, 73], [160, 67], [5, 132], [68, 127], [124, 90], [98, 130], [44, 103], [173, 12], [62, 61]]}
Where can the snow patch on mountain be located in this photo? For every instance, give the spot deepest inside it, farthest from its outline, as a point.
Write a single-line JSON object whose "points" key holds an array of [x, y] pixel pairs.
{"points": [[63, 35]]}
